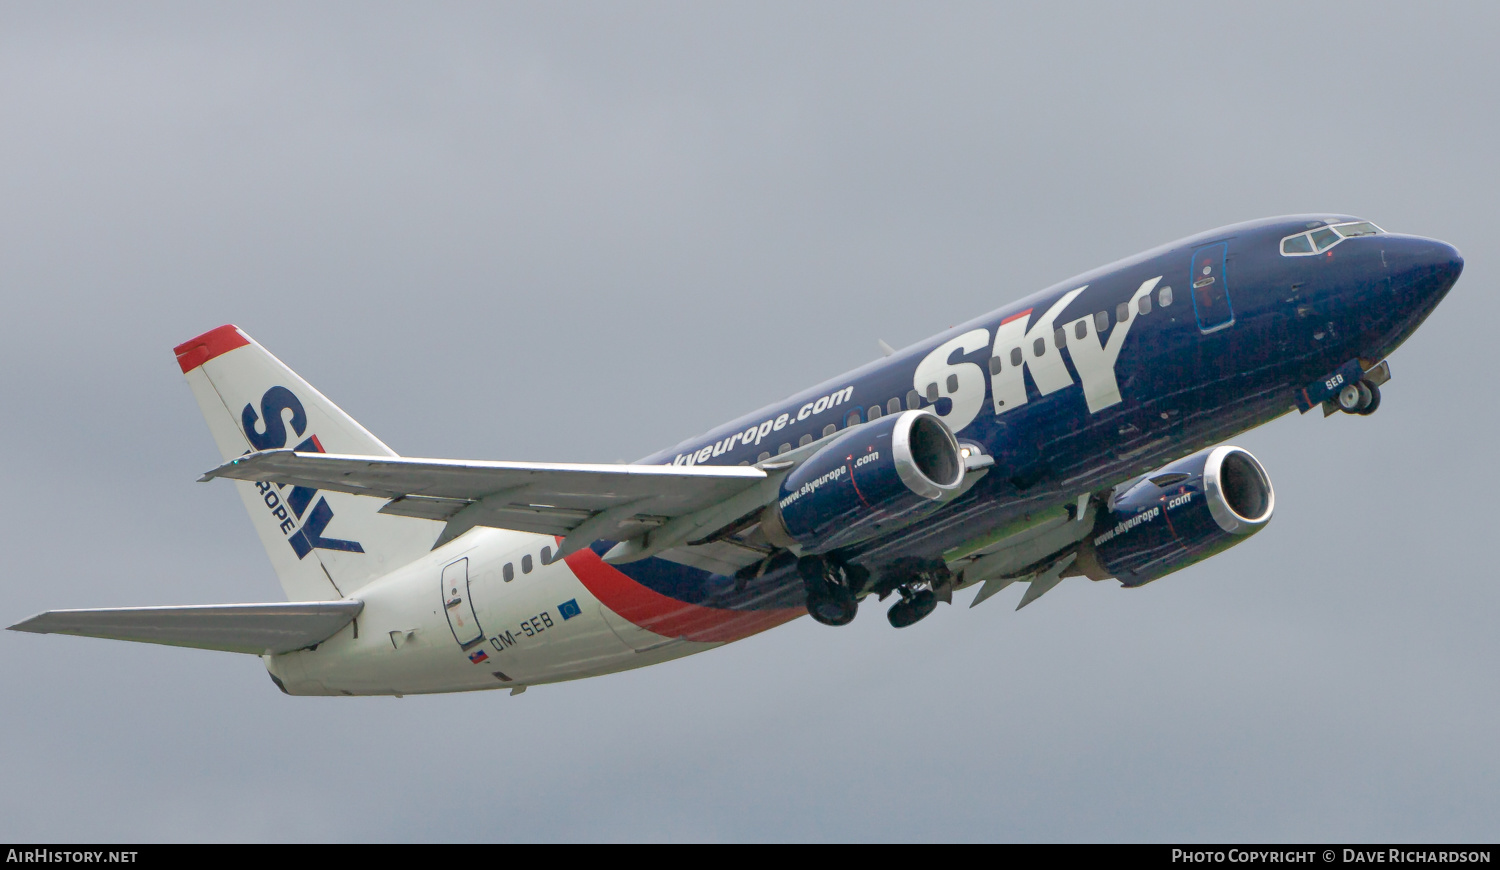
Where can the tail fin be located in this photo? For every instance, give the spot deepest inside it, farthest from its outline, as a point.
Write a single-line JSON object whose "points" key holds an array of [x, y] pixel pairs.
{"points": [[324, 545]]}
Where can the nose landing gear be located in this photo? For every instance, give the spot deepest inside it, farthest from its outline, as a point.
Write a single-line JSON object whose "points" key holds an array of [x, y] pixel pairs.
{"points": [[1351, 388], [1360, 398]]}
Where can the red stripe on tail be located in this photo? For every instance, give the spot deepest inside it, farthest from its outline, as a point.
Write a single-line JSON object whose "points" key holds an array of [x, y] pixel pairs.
{"points": [[216, 342]]}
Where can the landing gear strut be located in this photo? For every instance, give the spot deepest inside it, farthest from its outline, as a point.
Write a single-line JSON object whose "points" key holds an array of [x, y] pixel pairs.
{"points": [[830, 589]]}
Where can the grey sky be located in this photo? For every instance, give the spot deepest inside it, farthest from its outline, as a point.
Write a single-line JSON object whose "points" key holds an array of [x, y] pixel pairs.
{"points": [[584, 232]]}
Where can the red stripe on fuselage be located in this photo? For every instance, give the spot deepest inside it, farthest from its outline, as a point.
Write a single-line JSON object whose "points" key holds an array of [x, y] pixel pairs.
{"points": [[666, 616], [1015, 317], [196, 351]]}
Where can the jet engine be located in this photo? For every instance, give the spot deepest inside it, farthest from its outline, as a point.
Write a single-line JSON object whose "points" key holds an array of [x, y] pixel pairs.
{"points": [[872, 479], [1184, 513]]}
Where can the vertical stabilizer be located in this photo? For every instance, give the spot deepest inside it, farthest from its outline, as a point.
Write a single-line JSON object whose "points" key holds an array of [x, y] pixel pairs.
{"points": [[324, 545]]}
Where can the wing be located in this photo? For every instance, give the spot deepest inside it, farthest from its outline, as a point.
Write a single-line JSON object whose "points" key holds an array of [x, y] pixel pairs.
{"points": [[257, 629], [674, 505]]}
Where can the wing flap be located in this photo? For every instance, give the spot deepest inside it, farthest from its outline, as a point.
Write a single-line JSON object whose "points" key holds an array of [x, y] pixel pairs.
{"points": [[256, 629], [715, 557]]}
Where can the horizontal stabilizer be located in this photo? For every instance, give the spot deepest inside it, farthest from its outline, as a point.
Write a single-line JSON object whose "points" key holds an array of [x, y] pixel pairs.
{"points": [[257, 629]]}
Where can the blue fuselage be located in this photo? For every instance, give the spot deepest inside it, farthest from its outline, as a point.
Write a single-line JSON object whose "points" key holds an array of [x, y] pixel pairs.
{"points": [[1097, 379]]}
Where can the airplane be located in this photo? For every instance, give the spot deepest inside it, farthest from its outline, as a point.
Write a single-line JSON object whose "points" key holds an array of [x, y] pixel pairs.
{"points": [[1075, 433]]}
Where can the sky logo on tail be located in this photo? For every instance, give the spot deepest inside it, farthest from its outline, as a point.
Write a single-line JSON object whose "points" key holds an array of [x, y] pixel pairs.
{"points": [[267, 431]]}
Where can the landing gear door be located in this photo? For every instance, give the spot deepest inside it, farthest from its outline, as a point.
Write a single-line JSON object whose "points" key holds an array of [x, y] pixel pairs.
{"points": [[458, 605], [1210, 289]]}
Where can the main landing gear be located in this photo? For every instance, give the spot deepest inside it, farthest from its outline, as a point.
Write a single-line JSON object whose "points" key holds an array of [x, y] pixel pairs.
{"points": [[1361, 398], [831, 589], [912, 608], [834, 588], [921, 585]]}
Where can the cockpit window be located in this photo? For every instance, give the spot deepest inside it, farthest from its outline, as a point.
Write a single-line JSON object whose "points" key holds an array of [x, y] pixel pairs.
{"points": [[1324, 239], [1363, 228], [1298, 244], [1317, 241]]}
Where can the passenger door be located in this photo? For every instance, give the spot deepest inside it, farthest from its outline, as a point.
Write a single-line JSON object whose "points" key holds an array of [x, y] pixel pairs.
{"points": [[458, 606], [1210, 289]]}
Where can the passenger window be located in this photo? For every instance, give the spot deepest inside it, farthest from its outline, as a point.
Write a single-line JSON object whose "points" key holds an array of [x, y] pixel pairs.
{"points": [[1060, 338], [763, 456], [893, 406], [932, 392], [526, 564], [783, 448], [1101, 322], [546, 555], [1164, 297], [1039, 347], [1324, 239], [1296, 245], [804, 440], [875, 412], [852, 420], [1122, 312], [952, 384], [829, 429], [509, 572], [1015, 356], [913, 400], [994, 365], [1081, 329], [1144, 306]]}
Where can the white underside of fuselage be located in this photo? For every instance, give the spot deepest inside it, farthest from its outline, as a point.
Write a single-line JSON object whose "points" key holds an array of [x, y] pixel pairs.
{"points": [[542, 626]]}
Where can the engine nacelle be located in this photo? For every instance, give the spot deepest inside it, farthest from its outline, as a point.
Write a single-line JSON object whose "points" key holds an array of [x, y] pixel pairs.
{"points": [[1184, 513], [872, 479]]}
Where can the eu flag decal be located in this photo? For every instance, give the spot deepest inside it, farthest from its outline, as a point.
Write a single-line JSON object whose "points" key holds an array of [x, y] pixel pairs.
{"points": [[478, 656], [569, 609]]}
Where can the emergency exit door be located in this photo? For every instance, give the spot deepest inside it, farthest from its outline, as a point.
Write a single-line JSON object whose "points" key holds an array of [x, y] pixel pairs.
{"points": [[458, 605], [1210, 289]]}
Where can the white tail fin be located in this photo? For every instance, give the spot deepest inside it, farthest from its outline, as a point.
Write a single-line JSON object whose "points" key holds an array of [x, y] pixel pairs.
{"points": [[324, 545]]}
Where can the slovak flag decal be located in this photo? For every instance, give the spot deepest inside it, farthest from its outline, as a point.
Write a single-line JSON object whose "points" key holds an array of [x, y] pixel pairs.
{"points": [[478, 656]]}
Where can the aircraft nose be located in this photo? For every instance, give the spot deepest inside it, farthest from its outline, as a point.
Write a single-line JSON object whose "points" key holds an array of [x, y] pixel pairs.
{"points": [[1424, 266], [1452, 262]]}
